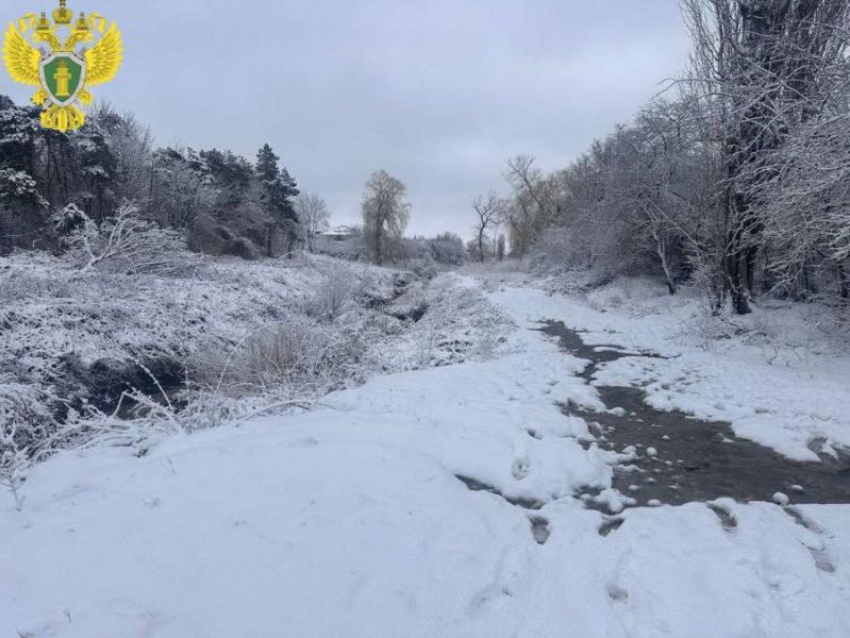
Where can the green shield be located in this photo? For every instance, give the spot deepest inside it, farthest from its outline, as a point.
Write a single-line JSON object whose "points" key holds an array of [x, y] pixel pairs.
{"points": [[62, 76]]}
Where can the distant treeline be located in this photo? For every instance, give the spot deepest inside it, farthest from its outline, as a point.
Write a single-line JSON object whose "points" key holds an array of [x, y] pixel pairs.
{"points": [[110, 174]]}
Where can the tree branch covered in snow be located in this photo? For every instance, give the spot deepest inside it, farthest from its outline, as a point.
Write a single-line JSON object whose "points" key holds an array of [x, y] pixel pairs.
{"points": [[123, 243], [734, 180]]}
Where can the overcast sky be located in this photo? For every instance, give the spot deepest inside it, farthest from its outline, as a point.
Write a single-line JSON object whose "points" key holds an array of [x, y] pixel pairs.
{"points": [[438, 92]]}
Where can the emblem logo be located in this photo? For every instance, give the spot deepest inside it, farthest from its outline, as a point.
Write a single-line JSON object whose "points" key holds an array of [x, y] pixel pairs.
{"points": [[89, 55]]}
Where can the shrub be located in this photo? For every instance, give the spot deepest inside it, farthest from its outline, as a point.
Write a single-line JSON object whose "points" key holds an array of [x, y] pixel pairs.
{"points": [[125, 243], [297, 357], [336, 294]]}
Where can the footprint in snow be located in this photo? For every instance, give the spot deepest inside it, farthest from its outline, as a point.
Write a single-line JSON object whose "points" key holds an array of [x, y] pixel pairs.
{"points": [[617, 593], [521, 467], [816, 546], [611, 524], [725, 515], [540, 529]]}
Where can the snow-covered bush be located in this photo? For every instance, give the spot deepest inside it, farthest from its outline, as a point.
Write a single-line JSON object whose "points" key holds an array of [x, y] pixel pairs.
{"points": [[336, 293], [19, 189], [300, 355], [25, 417], [447, 249], [557, 250], [710, 278], [459, 325], [125, 243], [14, 462], [611, 300], [26, 425]]}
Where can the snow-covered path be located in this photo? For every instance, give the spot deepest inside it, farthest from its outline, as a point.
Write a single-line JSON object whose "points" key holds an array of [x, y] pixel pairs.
{"points": [[351, 521]]}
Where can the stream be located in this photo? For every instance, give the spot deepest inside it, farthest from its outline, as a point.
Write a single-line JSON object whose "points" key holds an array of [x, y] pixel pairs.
{"points": [[683, 459]]}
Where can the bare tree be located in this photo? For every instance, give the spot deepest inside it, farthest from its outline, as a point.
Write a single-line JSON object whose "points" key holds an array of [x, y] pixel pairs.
{"points": [[386, 212], [488, 213], [534, 206], [313, 214]]}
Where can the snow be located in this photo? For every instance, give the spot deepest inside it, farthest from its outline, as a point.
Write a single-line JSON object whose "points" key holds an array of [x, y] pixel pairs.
{"points": [[781, 499], [349, 520], [73, 339]]}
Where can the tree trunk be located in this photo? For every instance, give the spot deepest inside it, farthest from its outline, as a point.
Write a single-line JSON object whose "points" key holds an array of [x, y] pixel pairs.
{"points": [[738, 289], [736, 259], [379, 255], [661, 249], [769, 279], [810, 283], [843, 282], [750, 258]]}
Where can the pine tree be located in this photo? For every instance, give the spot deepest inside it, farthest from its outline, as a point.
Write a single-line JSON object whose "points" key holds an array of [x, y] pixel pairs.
{"points": [[18, 131], [23, 209], [278, 191]]}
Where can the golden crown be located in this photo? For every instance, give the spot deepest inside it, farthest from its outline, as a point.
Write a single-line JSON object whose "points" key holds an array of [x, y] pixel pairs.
{"points": [[44, 22], [63, 15]]}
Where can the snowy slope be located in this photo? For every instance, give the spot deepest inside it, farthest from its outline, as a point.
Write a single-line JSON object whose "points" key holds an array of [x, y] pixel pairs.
{"points": [[350, 521]]}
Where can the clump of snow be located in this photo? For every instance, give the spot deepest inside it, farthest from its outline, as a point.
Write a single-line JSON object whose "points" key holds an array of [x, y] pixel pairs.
{"points": [[613, 500]]}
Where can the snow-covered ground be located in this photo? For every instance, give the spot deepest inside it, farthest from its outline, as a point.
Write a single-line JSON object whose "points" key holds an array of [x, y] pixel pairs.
{"points": [[351, 519], [252, 334]]}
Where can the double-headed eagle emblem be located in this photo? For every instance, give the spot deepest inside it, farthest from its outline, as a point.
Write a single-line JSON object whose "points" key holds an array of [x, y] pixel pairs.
{"points": [[64, 71]]}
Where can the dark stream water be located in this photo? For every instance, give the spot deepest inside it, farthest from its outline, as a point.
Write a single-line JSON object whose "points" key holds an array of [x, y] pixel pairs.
{"points": [[695, 460]]}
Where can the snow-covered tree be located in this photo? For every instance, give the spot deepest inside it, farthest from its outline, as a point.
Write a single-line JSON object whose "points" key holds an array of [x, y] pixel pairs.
{"points": [[386, 212], [447, 249], [764, 69], [278, 191], [182, 188], [313, 214]]}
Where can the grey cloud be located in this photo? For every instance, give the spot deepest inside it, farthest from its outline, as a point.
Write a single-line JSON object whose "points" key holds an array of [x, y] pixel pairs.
{"points": [[438, 92]]}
